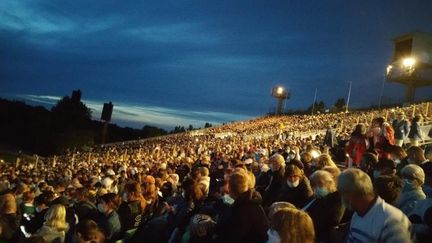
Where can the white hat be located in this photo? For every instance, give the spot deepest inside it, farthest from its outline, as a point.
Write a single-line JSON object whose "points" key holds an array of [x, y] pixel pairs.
{"points": [[248, 161], [110, 172], [107, 182]]}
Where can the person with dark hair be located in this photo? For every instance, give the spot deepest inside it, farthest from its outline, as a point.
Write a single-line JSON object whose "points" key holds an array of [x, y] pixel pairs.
{"points": [[368, 162], [384, 167], [84, 208], [399, 156], [41, 203], [388, 187], [415, 134], [110, 220], [132, 208], [296, 189], [87, 231], [357, 145], [189, 203]]}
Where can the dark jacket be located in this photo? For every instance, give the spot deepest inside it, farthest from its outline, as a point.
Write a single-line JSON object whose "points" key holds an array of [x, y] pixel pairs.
{"points": [[299, 195], [86, 210], [271, 191], [401, 129], [330, 138], [111, 226], [415, 131], [245, 221], [130, 215], [326, 213]]}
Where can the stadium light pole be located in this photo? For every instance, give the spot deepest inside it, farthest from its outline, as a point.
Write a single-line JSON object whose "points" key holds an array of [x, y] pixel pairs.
{"points": [[348, 98], [281, 94], [314, 100], [382, 88]]}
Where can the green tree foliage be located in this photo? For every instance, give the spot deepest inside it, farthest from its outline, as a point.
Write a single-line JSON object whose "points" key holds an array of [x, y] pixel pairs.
{"points": [[207, 125], [339, 105]]}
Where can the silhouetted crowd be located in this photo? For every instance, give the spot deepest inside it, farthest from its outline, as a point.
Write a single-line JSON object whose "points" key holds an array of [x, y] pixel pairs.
{"points": [[347, 177]]}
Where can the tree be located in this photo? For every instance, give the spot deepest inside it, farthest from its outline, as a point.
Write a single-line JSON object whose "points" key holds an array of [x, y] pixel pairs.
{"points": [[68, 114], [190, 128], [340, 105], [207, 125], [318, 107]]}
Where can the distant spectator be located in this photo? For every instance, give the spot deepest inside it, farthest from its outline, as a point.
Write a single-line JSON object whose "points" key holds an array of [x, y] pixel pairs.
{"points": [[357, 145], [401, 128], [415, 134]]}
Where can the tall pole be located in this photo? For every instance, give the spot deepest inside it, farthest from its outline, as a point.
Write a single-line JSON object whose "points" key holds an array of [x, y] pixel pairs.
{"points": [[348, 98], [381, 93], [314, 100]]}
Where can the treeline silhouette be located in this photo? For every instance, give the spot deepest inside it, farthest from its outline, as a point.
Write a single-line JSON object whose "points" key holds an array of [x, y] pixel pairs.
{"points": [[68, 125]]}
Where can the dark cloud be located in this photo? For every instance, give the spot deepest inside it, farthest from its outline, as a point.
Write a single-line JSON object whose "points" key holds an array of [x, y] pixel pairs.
{"points": [[213, 56]]}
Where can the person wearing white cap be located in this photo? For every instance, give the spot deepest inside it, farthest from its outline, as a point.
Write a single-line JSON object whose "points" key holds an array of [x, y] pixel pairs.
{"points": [[413, 178]]}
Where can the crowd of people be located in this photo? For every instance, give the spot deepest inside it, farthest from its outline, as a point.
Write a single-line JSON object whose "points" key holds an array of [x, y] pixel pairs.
{"points": [[347, 177]]}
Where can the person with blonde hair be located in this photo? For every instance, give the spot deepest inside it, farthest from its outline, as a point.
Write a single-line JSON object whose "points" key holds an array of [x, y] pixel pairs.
{"points": [[245, 221], [290, 225], [325, 197], [55, 226]]}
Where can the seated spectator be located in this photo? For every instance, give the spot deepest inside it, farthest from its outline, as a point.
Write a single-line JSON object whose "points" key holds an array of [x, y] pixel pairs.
{"points": [[276, 206], [291, 225], [132, 207], [27, 206], [87, 231], [245, 221], [84, 208], [416, 156], [388, 187], [384, 167], [368, 162], [277, 171], [10, 219], [399, 156], [296, 189], [325, 197], [110, 221], [55, 226], [413, 178], [373, 220]]}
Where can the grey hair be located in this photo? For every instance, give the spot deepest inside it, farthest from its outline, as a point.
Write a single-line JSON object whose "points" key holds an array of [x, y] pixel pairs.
{"points": [[324, 175], [413, 171], [355, 181]]}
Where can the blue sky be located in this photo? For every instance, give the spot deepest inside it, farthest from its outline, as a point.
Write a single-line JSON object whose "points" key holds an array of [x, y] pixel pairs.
{"points": [[187, 62]]}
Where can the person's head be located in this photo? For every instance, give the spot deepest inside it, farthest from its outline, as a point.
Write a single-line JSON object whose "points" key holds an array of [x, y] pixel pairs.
{"points": [[276, 206], [28, 196], [415, 155], [306, 158], [384, 167], [293, 225], [359, 130], [56, 217], [322, 183], [324, 160], [378, 122], [417, 118], [400, 116], [293, 174], [238, 184], [413, 177], [133, 192], [368, 162], [87, 231], [276, 162], [388, 187], [192, 190], [356, 189], [108, 202], [8, 204], [397, 154]]}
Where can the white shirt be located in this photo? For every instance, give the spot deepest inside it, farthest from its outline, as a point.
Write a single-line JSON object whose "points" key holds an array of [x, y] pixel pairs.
{"points": [[382, 223]]}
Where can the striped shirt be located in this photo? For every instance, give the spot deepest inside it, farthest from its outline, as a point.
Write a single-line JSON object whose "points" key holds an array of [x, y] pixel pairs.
{"points": [[383, 223]]}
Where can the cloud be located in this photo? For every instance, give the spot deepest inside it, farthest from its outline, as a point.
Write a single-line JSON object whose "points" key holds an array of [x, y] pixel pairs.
{"points": [[140, 115]]}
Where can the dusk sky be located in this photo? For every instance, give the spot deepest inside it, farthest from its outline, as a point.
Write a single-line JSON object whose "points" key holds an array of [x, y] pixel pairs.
{"points": [[168, 63]]}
